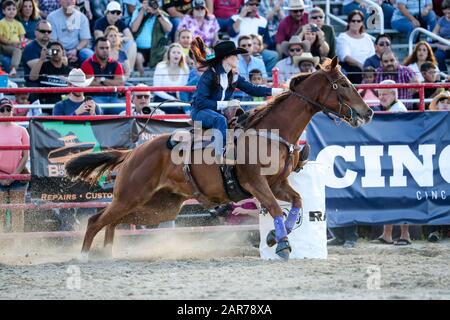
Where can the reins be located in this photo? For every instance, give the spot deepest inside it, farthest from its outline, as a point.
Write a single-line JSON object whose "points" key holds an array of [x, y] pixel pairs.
{"points": [[151, 114], [338, 116]]}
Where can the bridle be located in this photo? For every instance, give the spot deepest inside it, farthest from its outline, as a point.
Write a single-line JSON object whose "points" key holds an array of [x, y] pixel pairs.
{"points": [[339, 116]]}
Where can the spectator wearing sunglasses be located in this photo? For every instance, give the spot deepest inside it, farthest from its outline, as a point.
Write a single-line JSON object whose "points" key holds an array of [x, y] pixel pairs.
{"points": [[250, 22], [201, 23], [354, 46], [141, 102], [33, 50], [113, 17], [12, 162], [317, 17], [286, 67], [290, 25], [50, 71], [382, 43]]}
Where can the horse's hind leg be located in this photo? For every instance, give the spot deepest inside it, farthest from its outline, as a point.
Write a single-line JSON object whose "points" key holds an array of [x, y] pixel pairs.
{"points": [[110, 215], [261, 190], [109, 239]]}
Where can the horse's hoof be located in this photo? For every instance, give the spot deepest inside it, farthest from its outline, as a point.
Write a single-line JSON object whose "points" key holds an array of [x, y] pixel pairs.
{"points": [[84, 257], [270, 239], [283, 250]]}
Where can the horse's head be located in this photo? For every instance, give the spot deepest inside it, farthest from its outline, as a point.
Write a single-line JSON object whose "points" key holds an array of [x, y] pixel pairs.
{"points": [[336, 95]]}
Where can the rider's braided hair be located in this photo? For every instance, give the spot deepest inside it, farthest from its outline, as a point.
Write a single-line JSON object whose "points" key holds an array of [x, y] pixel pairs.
{"points": [[198, 52]]}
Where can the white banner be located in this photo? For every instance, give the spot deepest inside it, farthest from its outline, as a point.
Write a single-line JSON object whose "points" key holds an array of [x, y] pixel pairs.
{"points": [[308, 239]]}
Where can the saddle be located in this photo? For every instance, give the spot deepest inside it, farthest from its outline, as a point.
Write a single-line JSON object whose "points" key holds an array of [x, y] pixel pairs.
{"points": [[235, 117]]}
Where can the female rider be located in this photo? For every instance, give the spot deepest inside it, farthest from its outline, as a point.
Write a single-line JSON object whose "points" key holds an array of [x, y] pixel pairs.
{"points": [[215, 89]]}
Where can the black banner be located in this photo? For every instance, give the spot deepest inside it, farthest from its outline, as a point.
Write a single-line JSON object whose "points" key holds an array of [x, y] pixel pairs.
{"points": [[53, 143]]}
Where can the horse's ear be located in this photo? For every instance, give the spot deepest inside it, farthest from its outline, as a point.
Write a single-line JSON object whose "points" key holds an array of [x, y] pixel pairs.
{"points": [[334, 62]]}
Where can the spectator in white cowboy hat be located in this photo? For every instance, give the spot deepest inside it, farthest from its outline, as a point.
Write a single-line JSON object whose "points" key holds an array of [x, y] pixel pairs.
{"points": [[286, 67], [290, 25], [306, 62], [76, 103]]}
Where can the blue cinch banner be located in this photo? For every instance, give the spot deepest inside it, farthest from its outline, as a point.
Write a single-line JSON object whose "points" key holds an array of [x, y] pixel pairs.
{"points": [[395, 169]]}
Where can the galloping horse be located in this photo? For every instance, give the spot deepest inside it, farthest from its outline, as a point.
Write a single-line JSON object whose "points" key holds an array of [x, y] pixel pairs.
{"points": [[150, 188]]}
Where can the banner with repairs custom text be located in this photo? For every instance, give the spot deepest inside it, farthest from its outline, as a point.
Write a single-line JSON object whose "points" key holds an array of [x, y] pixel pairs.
{"points": [[395, 169], [53, 143]]}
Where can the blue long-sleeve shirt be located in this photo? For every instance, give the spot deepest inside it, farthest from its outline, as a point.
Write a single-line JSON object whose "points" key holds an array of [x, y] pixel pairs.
{"points": [[209, 92]]}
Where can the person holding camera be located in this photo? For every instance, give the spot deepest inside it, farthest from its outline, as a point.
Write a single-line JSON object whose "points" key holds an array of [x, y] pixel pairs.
{"points": [[325, 31], [150, 26], [32, 51], [50, 71], [312, 34], [250, 22], [76, 103]]}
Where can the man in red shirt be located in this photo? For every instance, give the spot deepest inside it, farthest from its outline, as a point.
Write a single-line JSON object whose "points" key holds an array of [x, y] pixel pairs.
{"points": [[224, 10], [107, 72], [291, 24]]}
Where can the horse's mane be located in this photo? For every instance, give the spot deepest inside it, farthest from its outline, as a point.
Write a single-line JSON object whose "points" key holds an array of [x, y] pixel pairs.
{"points": [[260, 112]]}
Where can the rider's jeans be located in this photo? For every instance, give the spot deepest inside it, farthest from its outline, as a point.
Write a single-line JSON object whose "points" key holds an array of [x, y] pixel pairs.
{"points": [[212, 119]]}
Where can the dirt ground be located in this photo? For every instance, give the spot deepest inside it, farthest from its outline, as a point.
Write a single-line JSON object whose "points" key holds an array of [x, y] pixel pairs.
{"points": [[221, 266]]}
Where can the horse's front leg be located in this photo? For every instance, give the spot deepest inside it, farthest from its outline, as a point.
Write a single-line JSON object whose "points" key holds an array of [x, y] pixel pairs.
{"points": [[261, 190], [284, 192]]}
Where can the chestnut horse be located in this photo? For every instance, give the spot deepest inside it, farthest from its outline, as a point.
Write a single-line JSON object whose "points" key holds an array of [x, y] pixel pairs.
{"points": [[150, 188]]}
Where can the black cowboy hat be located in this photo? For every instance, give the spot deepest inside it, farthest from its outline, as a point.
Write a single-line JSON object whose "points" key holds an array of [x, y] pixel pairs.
{"points": [[224, 49]]}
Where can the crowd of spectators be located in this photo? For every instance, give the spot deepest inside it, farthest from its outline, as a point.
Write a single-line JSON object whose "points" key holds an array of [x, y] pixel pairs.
{"points": [[48, 38], [58, 43]]}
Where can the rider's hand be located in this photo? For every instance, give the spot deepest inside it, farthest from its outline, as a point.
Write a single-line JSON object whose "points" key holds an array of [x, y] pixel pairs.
{"points": [[233, 103], [277, 91]]}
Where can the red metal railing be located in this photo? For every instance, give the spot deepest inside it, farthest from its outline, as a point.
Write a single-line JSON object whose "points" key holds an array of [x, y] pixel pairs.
{"points": [[128, 94]]}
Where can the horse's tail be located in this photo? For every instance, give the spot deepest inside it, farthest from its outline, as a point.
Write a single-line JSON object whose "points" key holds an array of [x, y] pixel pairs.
{"points": [[90, 167]]}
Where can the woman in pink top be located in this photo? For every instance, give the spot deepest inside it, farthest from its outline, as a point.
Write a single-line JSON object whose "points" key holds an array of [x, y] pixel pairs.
{"points": [[201, 23], [12, 162]]}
